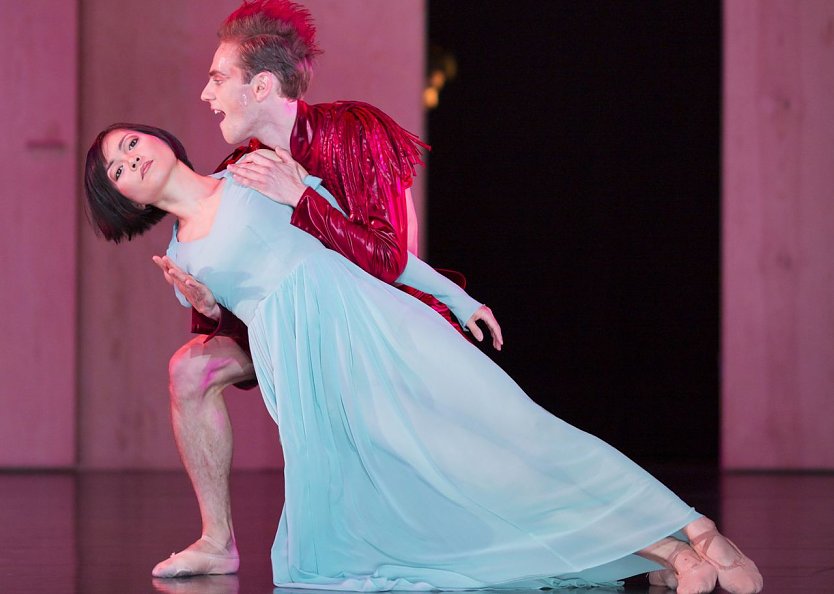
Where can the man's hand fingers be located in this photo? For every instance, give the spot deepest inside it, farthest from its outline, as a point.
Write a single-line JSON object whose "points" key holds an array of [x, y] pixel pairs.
{"points": [[250, 169], [260, 157], [247, 158], [271, 155], [283, 155], [253, 175], [246, 178]]}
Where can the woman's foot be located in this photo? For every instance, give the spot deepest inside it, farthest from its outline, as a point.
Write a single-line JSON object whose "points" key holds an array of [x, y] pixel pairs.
{"points": [[737, 573], [694, 575], [204, 557], [687, 573], [663, 577]]}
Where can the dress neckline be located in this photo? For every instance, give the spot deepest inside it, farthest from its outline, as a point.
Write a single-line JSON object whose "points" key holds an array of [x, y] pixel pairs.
{"points": [[222, 177]]}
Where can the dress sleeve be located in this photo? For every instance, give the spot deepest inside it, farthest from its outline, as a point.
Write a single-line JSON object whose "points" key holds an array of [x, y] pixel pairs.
{"points": [[421, 276], [373, 159], [417, 274]]}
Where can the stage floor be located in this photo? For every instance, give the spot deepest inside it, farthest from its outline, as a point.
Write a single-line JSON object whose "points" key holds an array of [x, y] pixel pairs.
{"points": [[97, 532]]}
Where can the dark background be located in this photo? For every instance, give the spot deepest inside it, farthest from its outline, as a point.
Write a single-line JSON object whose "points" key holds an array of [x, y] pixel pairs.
{"points": [[574, 178]]}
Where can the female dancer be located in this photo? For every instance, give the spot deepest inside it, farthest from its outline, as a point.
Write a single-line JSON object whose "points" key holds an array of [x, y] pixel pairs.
{"points": [[412, 460]]}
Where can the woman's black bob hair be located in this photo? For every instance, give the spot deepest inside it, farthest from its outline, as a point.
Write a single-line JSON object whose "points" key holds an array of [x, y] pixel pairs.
{"points": [[112, 215]]}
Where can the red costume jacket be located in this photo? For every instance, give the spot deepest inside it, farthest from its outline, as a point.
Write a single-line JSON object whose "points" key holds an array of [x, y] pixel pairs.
{"points": [[367, 161]]}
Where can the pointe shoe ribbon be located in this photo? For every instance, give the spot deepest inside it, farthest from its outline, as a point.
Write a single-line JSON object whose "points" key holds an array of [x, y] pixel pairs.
{"points": [[190, 562], [739, 577]]}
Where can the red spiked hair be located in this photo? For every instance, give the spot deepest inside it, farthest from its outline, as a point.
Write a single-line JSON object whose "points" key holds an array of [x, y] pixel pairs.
{"points": [[277, 36]]}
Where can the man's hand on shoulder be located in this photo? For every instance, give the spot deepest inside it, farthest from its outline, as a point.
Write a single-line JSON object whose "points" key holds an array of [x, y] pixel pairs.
{"points": [[273, 173], [197, 294]]}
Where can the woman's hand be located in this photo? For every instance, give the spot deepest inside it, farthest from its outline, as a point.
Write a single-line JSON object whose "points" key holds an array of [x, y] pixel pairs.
{"points": [[197, 294], [484, 314], [272, 173]]}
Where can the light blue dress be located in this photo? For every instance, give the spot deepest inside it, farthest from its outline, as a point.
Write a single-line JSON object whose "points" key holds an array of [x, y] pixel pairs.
{"points": [[412, 461]]}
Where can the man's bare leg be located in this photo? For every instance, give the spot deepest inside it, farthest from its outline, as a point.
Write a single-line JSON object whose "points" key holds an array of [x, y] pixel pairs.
{"points": [[199, 372]]}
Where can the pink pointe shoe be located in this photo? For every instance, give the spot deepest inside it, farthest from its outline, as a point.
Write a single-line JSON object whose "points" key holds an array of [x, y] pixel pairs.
{"points": [[663, 577], [195, 562], [689, 574], [741, 576]]}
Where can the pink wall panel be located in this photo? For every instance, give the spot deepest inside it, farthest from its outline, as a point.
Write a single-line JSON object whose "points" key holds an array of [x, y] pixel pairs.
{"points": [[778, 229], [148, 62], [38, 234]]}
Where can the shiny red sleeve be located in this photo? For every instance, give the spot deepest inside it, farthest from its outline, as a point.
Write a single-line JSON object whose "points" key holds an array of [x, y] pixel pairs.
{"points": [[376, 243], [228, 325], [372, 159]]}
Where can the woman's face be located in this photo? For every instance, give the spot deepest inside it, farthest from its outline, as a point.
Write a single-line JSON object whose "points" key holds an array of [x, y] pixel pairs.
{"points": [[138, 164]]}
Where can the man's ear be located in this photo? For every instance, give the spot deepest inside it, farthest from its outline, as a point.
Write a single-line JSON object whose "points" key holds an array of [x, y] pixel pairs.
{"points": [[264, 84]]}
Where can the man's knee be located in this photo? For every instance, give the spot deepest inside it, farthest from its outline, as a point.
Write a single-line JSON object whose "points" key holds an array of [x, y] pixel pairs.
{"points": [[198, 368], [186, 373]]}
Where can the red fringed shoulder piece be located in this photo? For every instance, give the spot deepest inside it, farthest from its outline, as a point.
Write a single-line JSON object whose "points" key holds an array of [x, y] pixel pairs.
{"points": [[377, 158]]}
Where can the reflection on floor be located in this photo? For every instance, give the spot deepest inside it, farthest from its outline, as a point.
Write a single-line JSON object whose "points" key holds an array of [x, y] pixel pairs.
{"points": [[91, 533]]}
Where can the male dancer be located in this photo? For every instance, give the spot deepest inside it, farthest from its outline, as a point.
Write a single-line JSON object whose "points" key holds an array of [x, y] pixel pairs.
{"points": [[260, 71]]}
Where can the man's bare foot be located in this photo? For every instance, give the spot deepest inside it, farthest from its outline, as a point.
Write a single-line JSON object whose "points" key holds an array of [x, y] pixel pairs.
{"points": [[204, 557]]}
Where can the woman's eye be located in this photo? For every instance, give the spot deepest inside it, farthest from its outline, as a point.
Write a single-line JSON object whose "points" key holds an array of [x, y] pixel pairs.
{"points": [[118, 173], [132, 143], [217, 82]]}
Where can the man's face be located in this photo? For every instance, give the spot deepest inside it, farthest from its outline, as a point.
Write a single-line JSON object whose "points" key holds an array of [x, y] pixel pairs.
{"points": [[229, 96]]}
